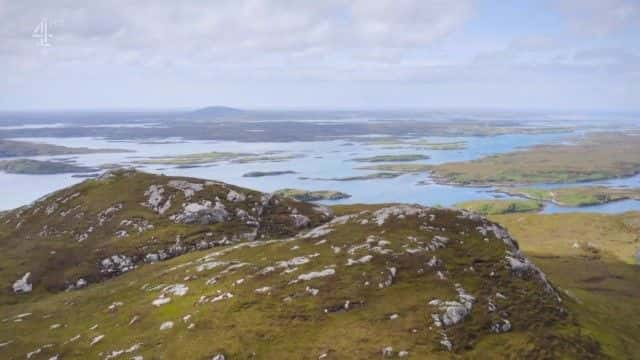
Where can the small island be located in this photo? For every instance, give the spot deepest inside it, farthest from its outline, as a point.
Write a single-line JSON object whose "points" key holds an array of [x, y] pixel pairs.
{"points": [[393, 158], [14, 148], [267, 173], [403, 142], [38, 167], [215, 156], [373, 176], [305, 195], [269, 157], [401, 168], [497, 207], [453, 145], [191, 159]]}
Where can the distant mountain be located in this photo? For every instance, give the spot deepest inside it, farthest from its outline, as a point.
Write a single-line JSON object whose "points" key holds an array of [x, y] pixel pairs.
{"points": [[216, 112]]}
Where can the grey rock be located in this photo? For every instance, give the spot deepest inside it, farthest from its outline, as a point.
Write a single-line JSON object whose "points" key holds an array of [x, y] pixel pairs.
{"points": [[501, 326], [22, 285], [203, 213], [300, 220]]}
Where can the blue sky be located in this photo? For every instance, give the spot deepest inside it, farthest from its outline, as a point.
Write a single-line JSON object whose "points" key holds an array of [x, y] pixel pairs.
{"points": [[546, 54]]}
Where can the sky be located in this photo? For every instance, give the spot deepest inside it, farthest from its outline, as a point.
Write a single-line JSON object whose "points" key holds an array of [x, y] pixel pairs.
{"points": [[321, 54]]}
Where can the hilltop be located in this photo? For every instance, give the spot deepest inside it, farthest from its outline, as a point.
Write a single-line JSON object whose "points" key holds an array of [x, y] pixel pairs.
{"points": [[103, 227], [196, 269]]}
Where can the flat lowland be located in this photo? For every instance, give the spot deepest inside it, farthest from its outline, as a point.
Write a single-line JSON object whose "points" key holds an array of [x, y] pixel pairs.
{"points": [[593, 258], [576, 196], [594, 157], [495, 207]]}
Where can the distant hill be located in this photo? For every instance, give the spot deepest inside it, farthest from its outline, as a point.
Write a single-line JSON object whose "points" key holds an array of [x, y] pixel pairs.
{"points": [[215, 112]]}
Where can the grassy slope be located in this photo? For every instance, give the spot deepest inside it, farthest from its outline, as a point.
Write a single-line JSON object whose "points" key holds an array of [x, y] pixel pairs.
{"points": [[290, 321], [588, 159], [599, 272], [47, 244], [494, 207], [577, 196]]}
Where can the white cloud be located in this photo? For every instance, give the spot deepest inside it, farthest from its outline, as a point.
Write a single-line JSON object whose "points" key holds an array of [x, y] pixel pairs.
{"points": [[601, 17], [228, 30]]}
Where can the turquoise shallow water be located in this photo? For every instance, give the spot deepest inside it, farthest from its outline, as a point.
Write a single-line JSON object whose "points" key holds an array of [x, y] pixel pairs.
{"points": [[327, 159]]}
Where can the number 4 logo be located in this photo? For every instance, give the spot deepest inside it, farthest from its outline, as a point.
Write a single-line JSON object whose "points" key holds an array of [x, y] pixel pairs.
{"points": [[42, 32]]}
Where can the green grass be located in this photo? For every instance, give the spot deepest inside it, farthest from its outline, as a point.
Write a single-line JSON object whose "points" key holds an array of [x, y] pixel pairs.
{"points": [[590, 258], [577, 196], [306, 195], [494, 207]]}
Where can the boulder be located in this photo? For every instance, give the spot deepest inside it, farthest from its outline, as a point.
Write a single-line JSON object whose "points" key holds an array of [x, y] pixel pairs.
{"points": [[22, 285]]}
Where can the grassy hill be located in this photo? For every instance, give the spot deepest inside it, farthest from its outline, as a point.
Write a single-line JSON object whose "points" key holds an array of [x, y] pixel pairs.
{"points": [[367, 282], [103, 227]]}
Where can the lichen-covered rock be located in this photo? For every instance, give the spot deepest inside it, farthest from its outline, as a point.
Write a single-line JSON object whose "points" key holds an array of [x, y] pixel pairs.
{"points": [[501, 326], [202, 213], [188, 188], [116, 264], [300, 221], [22, 285], [317, 274], [156, 199], [235, 196]]}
